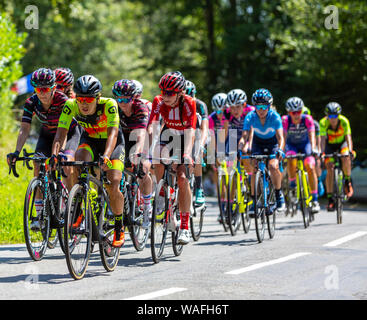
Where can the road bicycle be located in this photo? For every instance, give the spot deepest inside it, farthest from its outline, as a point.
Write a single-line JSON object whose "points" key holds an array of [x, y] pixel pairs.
{"points": [[42, 230], [222, 191], [89, 220], [166, 215], [338, 182], [264, 198], [303, 195]]}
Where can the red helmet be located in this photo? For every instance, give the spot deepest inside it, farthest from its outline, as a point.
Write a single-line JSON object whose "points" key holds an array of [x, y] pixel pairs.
{"points": [[64, 77], [173, 81]]}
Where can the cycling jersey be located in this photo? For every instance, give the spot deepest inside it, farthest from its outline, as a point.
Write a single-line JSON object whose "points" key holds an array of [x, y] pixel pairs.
{"points": [[138, 118], [215, 123], [148, 104], [297, 133], [272, 123], [336, 136], [95, 125], [178, 118], [202, 109], [48, 118]]}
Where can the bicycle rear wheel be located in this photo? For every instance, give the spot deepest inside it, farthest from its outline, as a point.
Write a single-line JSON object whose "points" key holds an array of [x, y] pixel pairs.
{"points": [[62, 208], [222, 199], [177, 248], [234, 218], [159, 228], [78, 232], [196, 214], [259, 207], [338, 187], [36, 239]]}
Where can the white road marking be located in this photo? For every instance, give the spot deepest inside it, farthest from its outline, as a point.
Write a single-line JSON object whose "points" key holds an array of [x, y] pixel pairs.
{"points": [[157, 294], [269, 263], [345, 239]]}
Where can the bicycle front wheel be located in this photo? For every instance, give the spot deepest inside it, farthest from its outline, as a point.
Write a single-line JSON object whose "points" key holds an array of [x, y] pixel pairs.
{"points": [[271, 216], [234, 219], [259, 207], [177, 248], [338, 187], [222, 199], [78, 232], [303, 201], [159, 229], [36, 227]]}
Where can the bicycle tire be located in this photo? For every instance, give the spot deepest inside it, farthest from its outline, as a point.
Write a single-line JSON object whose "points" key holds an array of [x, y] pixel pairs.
{"points": [[221, 185], [303, 202], [234, 219], [259, 208], [159, 229], [339, 194], [196, 214], [271, 218], [245, 216], [75, 236], [36, 252], [106, 227], [61, 211], [177, 248]]}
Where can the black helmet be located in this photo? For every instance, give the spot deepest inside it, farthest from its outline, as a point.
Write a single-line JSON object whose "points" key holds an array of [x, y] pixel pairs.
{"points": [[43, 77], [333, 108], [88, 86]]}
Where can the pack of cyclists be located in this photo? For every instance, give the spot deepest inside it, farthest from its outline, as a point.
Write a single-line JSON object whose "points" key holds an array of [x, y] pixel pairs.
{"points": [[81, 124]]}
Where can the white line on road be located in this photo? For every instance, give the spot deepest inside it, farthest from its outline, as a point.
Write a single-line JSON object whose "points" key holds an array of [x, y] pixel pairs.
{"points": [[268, 263], [345, 239], [157, 294]]}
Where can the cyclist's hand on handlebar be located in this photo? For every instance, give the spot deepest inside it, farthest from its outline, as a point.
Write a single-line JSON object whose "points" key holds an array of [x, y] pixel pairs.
{"points": [[187, 159], [316, 153], [12, 157], [353, 154], [105, 163], [51, 162], [280, 154]]}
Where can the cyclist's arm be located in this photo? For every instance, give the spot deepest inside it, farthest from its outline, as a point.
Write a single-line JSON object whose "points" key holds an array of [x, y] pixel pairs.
{"points": [[189, 140], [204, 131], [348, 138], [280, 138], [25, 129], [323, 144], [112, 133], [59, 140], [243, 140]]}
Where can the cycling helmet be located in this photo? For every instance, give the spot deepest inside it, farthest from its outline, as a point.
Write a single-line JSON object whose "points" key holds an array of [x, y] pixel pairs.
{"points": [[190, 88], [219, 101], [236, 97], [139, 87], [262, 96], [294, 104], [64, 77], [173, 81], [88, 86], [43, 77], [124, 87], [333, 108]]}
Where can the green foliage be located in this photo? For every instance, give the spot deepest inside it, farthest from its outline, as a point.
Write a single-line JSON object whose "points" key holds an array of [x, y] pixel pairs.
{"points": [[11, 51]]}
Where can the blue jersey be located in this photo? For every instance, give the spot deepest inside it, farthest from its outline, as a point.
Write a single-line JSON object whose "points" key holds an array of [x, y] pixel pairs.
{"points": [[267, 131]]}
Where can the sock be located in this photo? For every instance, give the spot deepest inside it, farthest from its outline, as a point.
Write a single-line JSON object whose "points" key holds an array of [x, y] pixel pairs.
{"points": [[146, 199], [329, 195], [292, 183], [277, 193], [198, 182], [118, 223], [184, 220], [39, 206], [314, 196], [347, 178]]}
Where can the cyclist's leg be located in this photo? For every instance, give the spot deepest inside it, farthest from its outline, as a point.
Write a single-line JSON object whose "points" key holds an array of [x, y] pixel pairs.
{"points": [[329, 181], [291, 169], [310, 165], [347, 169]]}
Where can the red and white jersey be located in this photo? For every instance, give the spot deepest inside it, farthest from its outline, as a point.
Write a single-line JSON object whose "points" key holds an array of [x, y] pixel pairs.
{"points": [[174, 118], [148, 104]]}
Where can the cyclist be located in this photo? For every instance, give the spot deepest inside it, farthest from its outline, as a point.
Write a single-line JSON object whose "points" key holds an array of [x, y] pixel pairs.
{"points": [[201, 140], [178, 111], [100, 119], [47, 104], [336, 136], [65, 81], [267, 138], [134, 116], [320, 186], [299, 132]]}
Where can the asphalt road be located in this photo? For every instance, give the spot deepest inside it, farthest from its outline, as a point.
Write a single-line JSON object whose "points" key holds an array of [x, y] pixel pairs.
{"points": [[325, 261]]}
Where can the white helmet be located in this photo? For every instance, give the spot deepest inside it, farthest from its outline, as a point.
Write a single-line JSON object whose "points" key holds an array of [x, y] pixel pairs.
{"points": [[294, 104], [236, 97], [139, 87], [219, 101]]}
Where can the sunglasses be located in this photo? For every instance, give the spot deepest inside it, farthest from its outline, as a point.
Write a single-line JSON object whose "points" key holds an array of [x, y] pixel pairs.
{"points": [[85, 99], [295, 113], [124, 100], [262, 107], [168, 93], [333, 116], [219, 111], [43, 90]]}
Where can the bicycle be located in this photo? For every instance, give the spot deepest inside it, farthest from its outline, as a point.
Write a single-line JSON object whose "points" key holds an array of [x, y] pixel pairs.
{"points": [[239, 191], [303, 194], [339, 181], [163, 217], [134, 208], [54, 195], [264, 198], [222, 191], [89, 220]]}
